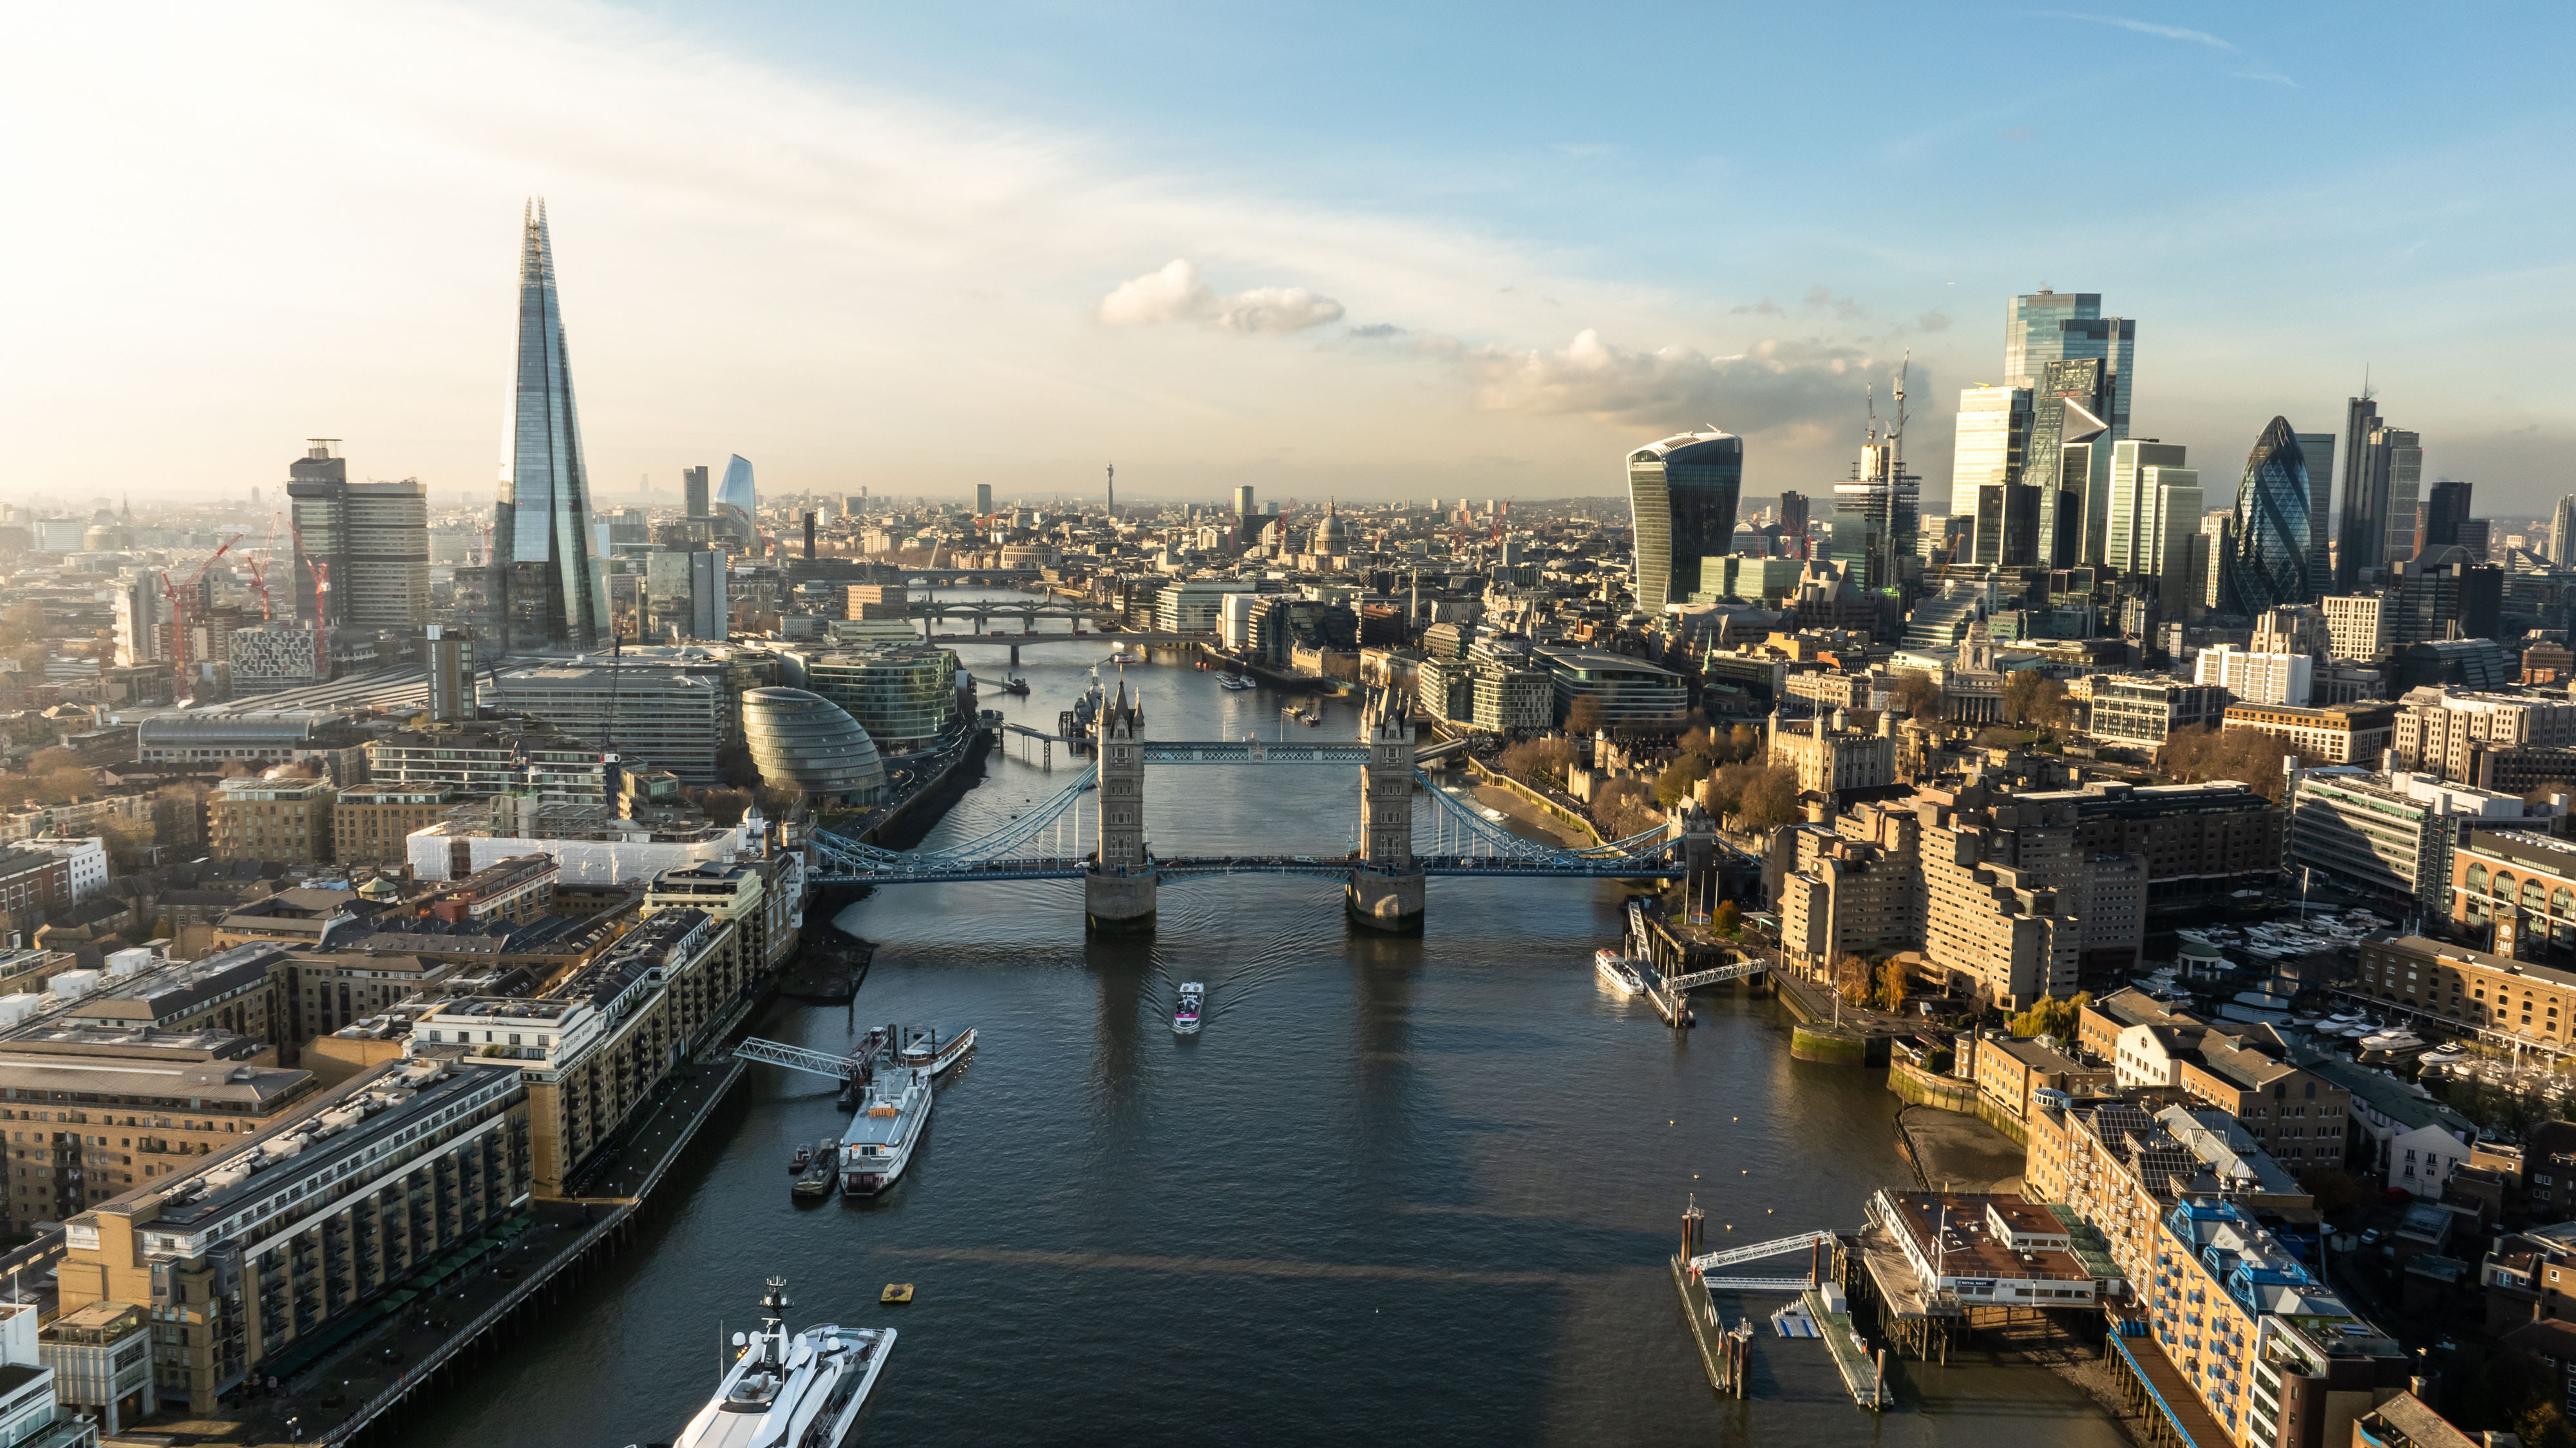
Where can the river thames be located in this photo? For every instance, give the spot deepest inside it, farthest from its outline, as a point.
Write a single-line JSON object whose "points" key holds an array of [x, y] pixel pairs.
{"points": [[1414, 1191]]}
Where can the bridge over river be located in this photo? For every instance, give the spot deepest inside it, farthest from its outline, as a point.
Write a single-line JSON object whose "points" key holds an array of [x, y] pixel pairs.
{"points": [[1384, 876]]}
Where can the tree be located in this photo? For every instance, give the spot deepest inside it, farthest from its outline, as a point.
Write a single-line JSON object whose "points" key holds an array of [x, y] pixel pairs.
{"points": [[1851, 976], [2031, 697], [1680, 778], [1584, 716], [1917, 694], [1620, 809], [1726, 920], [2247, 755], [2053, 1016], [1891, 985], [1538, 761]]}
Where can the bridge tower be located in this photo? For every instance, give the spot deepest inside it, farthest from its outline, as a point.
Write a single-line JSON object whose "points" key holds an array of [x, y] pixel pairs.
{"points": [[1385, 892], [1118, 893]]}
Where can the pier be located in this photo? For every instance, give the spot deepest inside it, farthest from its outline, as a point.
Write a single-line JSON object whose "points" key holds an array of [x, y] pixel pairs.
{"points": [[1726, 1353]]}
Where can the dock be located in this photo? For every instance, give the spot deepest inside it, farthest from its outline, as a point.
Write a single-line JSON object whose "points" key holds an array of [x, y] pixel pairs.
{"points": [[1865, 1376], [1726, 1354]]}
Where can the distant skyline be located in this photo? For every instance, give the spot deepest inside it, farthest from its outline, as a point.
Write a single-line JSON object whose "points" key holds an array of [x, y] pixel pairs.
{"points": [[1334, 251]]}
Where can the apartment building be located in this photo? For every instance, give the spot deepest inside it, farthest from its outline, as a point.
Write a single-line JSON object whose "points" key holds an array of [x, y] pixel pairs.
{"points": [[763, 897], [1855, 888], [595, 1047], [235, 991], [245, 1254], [2299, 1116], [2002, 890], [477, 759], [91, 1112], [287, 821], [2010, 1072], [370, 821], [2330, 734], [2199, 841], [517, 890]]}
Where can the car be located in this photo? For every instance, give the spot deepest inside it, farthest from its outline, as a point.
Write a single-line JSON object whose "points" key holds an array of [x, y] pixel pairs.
{"points": [[1305, 859], [2370, 1236]]}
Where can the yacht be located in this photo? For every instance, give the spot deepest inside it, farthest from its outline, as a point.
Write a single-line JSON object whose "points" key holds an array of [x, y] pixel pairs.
{"points": [[1235, 682], [2396, 1041], [1185, 1016], [790, 1391], [927, 1052], [1618, 972], [893, 1113]]}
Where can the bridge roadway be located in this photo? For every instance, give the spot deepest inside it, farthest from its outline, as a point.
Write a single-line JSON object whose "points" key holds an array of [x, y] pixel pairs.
{"points": [[1200, 867], [1004, 638]]}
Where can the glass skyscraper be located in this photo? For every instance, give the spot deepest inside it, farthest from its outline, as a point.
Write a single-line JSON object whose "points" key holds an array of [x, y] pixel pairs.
{"points": [[2265, 563], [1681, 499], [737, 502], [2070, 442], [2133, 541], [2044, 327], [554, 593], [1994, 424], [2318, 448]]}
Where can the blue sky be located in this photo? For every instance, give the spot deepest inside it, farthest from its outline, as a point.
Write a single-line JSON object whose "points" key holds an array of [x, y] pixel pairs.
{"points": [[1425, 249]]}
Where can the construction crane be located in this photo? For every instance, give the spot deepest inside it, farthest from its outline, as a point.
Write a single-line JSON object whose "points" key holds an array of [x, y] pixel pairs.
{"points": [[181, 601], [321, 572], [259, 571]]}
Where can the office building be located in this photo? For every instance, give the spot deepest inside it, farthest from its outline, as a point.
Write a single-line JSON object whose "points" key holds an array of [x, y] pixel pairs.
{"points": [[370, 822], [2045, 328], [2517, 994], [478, 759], [2357, 624], [2256, 678], [1877, 517], [2447, 732], [2265, 563], [2446, 512], [805, 742], [1993, 429], [2155, 508], [737, 503], [553, 592], [2444, 594], [1681, 498], [661, 713], [2329, 734], [2070, 424], [684, 595], [1244, 511], [903, 695], [142, 623], [2391, 833], [1630, 693], [2562, 532], [369, 541], [693, 487], [2382, 469], [2317, 450], [983, 500], [2143, 708], [1794, 543]]}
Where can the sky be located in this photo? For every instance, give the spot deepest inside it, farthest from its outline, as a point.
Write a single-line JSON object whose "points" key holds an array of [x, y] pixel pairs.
{"points": [[1366, 251]]}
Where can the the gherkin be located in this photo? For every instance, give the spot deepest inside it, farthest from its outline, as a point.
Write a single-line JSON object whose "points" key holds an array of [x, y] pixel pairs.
{"points": [[555, 591], [2267, 559]]}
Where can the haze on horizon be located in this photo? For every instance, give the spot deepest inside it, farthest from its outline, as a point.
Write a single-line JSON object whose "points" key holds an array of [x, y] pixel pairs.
{"points": [[1330, 251]]}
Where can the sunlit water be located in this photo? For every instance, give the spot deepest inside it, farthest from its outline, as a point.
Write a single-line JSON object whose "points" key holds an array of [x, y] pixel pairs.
{"points": [[1398, 1190]]}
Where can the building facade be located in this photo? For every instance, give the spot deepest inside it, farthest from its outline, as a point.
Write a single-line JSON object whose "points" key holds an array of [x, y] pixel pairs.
{"points": [[554, 593], [1682, 494]]}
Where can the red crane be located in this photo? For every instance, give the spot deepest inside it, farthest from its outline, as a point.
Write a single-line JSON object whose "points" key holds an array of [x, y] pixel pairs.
{"points": [[180, 600], [259, 570], [321, 602]]}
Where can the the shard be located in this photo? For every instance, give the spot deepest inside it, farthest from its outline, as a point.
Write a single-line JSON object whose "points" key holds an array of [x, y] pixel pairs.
{"points": [[554, 593]]}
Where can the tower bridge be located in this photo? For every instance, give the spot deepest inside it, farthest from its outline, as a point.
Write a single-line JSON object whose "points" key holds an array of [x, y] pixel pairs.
{"points": [[1383, 877]]}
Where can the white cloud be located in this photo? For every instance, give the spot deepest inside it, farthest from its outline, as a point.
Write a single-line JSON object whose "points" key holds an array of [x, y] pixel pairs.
{"points": [[1774, 383], [1175, 293]]}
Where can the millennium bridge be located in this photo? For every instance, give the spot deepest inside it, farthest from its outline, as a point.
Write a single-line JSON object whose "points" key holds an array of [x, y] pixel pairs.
{"points": [[1383, 878]]}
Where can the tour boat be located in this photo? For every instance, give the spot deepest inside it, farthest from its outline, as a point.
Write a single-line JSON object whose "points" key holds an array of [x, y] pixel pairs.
{"points": [[1014, 684], [801, 1390], [804, 1158], [925, 1051], [892, 1116], [1236, 682], [1618, 972], [1185, 1016]]}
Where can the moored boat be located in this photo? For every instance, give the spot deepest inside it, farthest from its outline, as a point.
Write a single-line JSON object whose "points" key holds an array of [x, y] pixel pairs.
{"points": [[819, 1172], [893, 1113], [1618, 972], [801, 1390], [925, 1051]]}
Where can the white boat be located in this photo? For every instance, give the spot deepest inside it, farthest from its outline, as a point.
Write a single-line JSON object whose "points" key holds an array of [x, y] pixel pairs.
{"points": [[1185, 1016], [926, 1051], [1618, 972], [1236, 682], [791, 1391], [893, 1113], [2396, 1041]]}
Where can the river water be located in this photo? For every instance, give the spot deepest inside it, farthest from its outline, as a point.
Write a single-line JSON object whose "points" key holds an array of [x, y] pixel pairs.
{"points": [[1415, 1191]]}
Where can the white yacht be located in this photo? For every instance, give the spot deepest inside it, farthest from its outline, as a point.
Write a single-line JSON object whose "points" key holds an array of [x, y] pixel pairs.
{"points": [[1618, 972], [1185, 1016], [892, 1115], [2396, 1041], [790, 1391]]}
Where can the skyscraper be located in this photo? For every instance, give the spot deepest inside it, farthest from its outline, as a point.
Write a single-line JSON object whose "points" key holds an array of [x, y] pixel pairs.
{"points": [[1243, 510], [2446, 507], [2044, 327], [737, 502], [983, 500], [2265, 562], [2129, 544], [2318, 450], [693, 487], [1994, 425], [2382, 469], [554, 594], [371, 541], [2069, 429], [1681, 500], [1793, 525], [2562, 531]]}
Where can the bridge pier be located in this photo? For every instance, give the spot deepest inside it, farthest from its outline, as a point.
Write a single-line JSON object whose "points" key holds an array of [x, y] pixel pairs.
{"points": [[1117, 904], [1118, 890], [1015, 656], [1391, 904]]}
